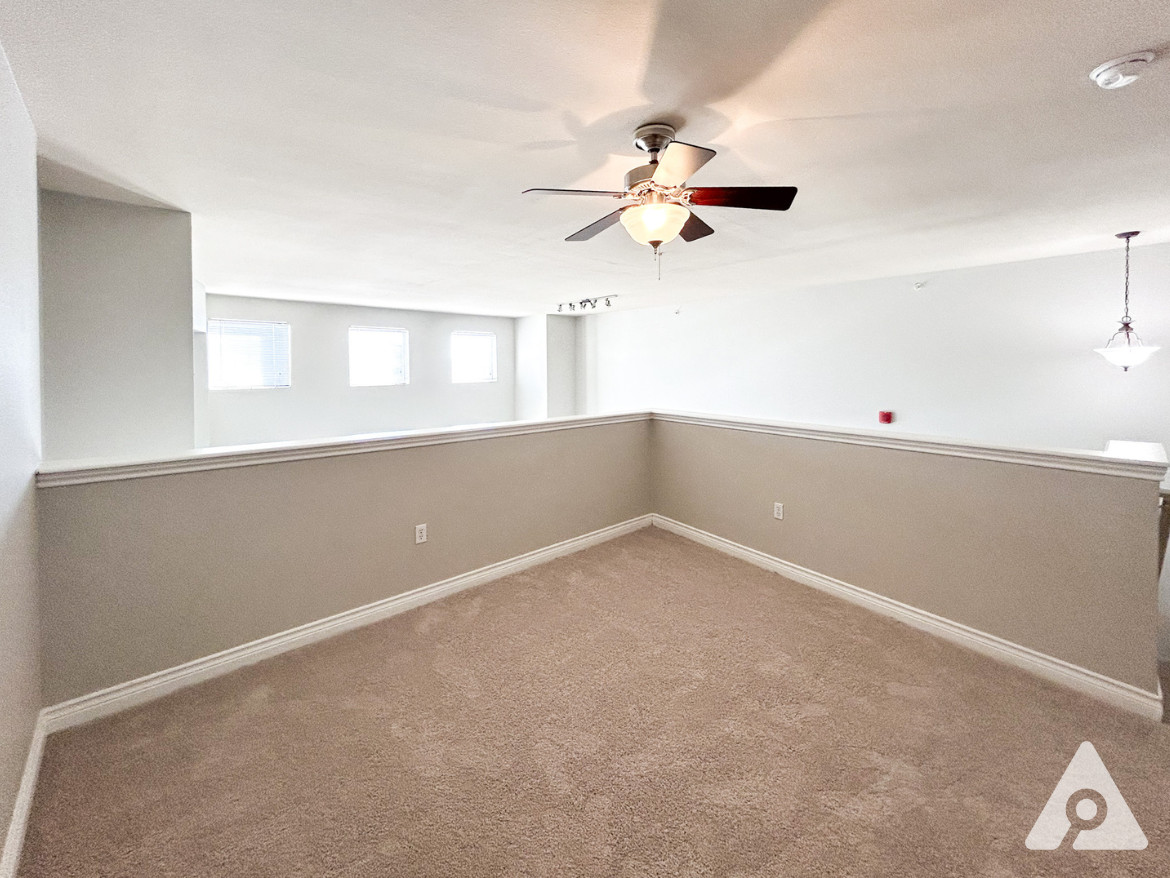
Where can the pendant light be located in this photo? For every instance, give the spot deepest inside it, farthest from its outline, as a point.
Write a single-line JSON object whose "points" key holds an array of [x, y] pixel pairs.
{"points": [[1124, 348]]}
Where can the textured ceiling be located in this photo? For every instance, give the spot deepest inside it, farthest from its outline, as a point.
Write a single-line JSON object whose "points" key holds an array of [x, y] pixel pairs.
{"points": [[374, 152]]}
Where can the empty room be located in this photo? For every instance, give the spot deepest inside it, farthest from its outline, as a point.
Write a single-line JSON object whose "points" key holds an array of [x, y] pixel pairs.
{"points": [[646, 438]]}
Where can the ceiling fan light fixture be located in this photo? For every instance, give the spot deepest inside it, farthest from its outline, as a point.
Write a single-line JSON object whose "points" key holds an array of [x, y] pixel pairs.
{"points": [[656, 222], [655, 205]]}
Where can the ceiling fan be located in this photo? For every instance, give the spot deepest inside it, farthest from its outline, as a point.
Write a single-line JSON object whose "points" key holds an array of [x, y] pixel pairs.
{"points": [[656, 202]]}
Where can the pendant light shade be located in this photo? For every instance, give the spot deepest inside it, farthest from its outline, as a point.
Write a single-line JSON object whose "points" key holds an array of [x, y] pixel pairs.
{"points": [[1126, 354], [1125, 348]]}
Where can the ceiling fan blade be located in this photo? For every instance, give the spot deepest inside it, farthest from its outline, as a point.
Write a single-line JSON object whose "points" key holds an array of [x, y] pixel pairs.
{"points": [[695, 228], [757, 197], [598, 192], [594, 228], [678, 161]]}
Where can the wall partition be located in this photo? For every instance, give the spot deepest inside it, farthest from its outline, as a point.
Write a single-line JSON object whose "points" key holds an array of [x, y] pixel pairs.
{"points": [[1047, 556]]}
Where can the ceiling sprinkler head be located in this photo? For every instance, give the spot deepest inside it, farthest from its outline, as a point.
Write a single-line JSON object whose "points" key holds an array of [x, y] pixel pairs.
{"points": [[1121, 71]]}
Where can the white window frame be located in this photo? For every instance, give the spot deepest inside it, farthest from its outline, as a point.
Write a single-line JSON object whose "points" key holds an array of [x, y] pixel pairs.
{"points": [[495, 355], [231, 387], [405, 354]]}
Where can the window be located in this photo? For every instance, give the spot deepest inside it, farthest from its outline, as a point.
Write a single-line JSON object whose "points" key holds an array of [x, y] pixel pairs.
{"points": [[247, 354], [473, 357], [378, 356]]}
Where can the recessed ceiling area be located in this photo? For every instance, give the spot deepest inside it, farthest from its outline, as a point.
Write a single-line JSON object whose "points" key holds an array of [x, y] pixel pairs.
{"points": [[375, 153]]}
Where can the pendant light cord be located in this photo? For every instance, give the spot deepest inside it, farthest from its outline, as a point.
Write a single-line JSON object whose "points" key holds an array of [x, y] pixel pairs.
{"points": [[1125, 317]]}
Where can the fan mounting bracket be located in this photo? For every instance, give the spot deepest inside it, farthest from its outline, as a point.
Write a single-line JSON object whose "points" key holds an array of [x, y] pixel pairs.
{"points": [[653, 137]]}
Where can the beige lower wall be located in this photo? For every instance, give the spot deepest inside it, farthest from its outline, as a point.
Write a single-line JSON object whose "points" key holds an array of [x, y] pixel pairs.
{"points": [[144, 574], [1062, 562]]}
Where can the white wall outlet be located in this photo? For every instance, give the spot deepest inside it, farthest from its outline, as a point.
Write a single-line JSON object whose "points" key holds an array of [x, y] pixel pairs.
{"points": [[420, 533], [778, 510]]}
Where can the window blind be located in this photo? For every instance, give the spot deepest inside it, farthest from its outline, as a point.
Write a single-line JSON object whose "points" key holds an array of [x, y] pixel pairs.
{"points": [[247, 354]]}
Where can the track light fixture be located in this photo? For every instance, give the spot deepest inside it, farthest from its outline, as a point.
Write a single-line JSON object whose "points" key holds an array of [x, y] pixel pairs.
{"points": [[585, 304]]}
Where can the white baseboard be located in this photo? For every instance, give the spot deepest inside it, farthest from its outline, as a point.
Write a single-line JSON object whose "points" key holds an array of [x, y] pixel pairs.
{"points": [[1124, 695], [14, 839], [125, 695]]}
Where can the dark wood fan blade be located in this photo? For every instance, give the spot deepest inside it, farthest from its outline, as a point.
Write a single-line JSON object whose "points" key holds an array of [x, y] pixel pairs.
{"points": [[576, 192], [678, 161], [600, 226], [695, 228], [757, 197]]}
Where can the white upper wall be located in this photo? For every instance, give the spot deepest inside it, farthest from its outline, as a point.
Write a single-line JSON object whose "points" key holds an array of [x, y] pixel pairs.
{"points": [[1000, 354], [320, 402], [116, 318]]}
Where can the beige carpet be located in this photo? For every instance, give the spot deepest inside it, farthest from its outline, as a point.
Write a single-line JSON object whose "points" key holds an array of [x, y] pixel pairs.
{"points": [[645, 707]]}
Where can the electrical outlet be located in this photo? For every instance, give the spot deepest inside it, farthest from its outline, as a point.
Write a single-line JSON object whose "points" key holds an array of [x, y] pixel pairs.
{"points": [[778, 510], [420, 533]]}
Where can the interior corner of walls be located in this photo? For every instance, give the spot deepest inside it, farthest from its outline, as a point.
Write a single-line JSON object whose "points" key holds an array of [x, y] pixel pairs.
{"points": [[650, 469], [655, 473]]}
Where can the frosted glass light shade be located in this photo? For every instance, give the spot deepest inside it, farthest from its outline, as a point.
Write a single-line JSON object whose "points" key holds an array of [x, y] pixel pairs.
{"points": [[1126, 355], [655, 222]]}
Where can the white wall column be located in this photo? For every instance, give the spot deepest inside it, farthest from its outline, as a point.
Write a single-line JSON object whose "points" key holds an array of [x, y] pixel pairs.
{"points": [[116, 312]]}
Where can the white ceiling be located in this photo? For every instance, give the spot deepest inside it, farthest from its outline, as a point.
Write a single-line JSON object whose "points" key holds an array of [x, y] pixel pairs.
{"points": [[374, 152]]}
